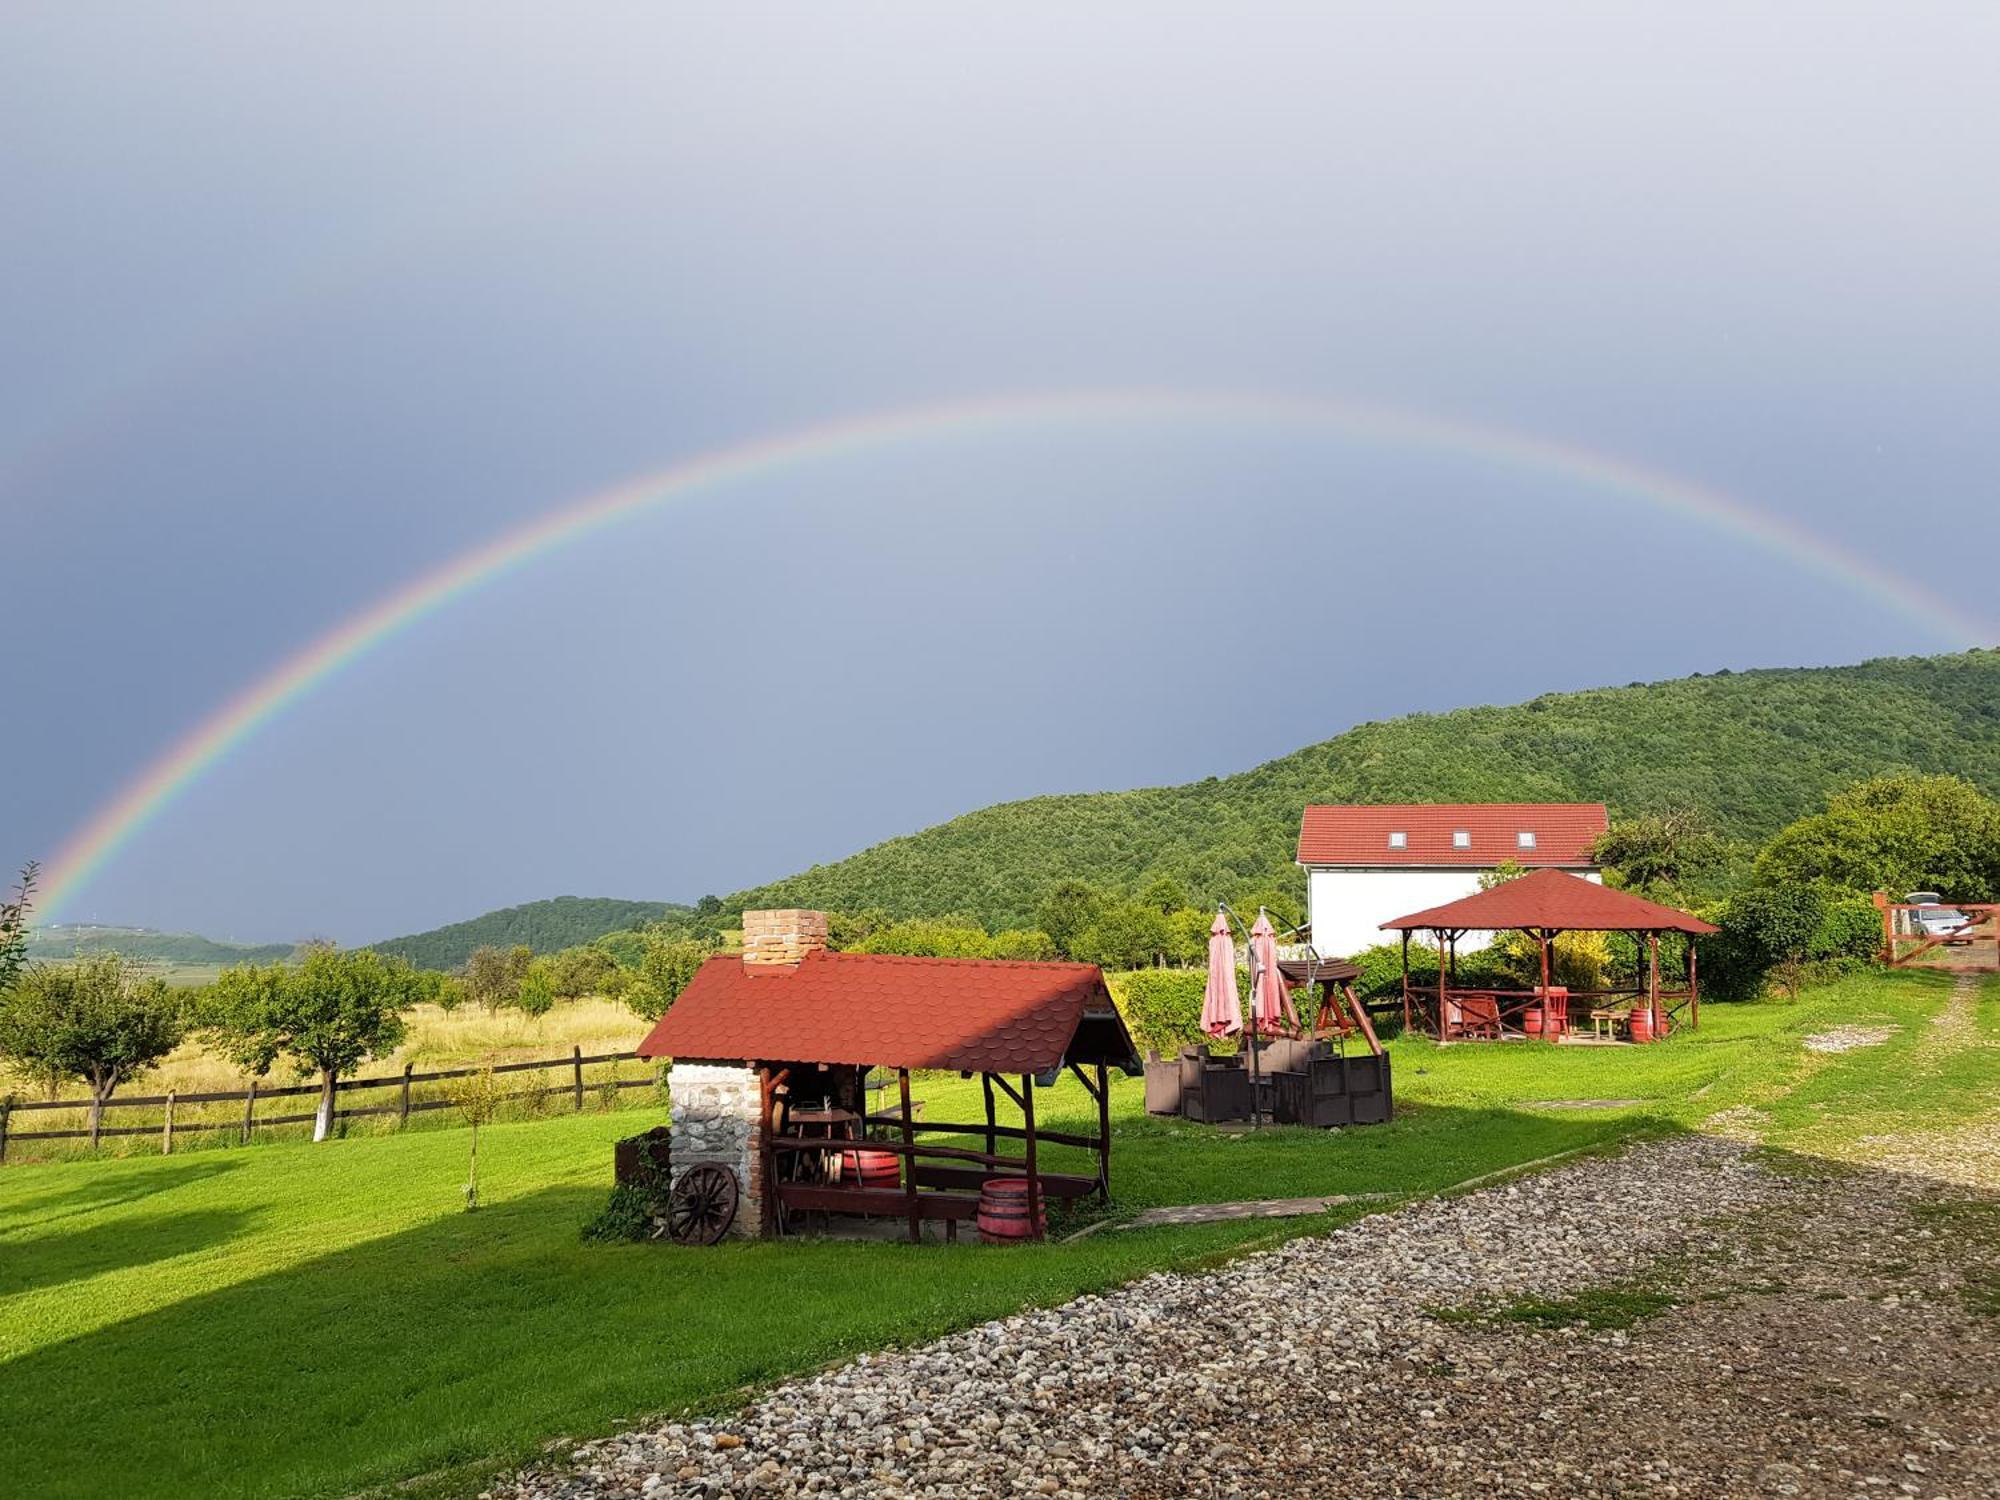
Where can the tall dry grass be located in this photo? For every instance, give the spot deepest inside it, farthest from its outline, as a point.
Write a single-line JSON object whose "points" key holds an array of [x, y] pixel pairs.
{"points": [[435, 1041]]}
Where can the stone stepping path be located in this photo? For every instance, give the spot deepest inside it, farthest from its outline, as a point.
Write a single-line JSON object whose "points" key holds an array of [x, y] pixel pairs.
{"points": [[1256, 1208], [1582, 1103]]}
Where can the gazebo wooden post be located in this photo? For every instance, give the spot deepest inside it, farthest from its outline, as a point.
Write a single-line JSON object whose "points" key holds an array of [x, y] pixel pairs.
{"points": [[986, 1088], [1694, 990], [910, 1161], [1543, 937], [1653, 981], [1443, 944], [1034, 1174], [1406, 979], [1103, 1131]]}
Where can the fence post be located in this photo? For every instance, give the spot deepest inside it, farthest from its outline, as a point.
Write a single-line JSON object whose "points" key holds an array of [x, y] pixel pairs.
{"points": [[167, 1127], [576, 1061], [249, 1111], [6, 1109], [404, 1118]]}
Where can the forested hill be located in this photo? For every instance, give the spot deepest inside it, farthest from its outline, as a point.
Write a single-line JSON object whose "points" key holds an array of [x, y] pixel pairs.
{"points": [[545, 926], [66, 940], [1752, 749]]}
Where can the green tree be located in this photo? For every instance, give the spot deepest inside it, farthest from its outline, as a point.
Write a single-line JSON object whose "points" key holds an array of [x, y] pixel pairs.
{"points": [[1126, 935], [929, 937], [449, 994], [536, 994], [1662, 855], [665, 971], [1766, 928], [493, 975], [99, 1019], [477, 1097], [1070, 907], [1896, 833], [327, 1013], [14, 927], [578, 972]]}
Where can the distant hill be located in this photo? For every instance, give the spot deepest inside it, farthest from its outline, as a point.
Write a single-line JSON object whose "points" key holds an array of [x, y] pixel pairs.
{"points": [[1753, 749], [545, 926], [66, 940]]}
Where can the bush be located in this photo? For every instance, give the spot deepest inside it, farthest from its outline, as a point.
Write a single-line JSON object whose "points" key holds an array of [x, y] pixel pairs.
{"points": [[1763, 928], [1849, 932], [627, 1215], [1162, 1007]]}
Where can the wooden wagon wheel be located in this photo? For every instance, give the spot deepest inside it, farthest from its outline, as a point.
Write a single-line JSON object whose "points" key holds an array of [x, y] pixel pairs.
{"points": [[702, 1206]]}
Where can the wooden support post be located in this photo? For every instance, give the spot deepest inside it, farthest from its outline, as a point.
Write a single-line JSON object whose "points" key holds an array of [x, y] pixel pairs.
{"points": [[910, 1160], [1694, 990], [167, 1127], [1653, 982], [249, 1112], [1034, 1174], [986, 1088], [1103, 1133], [1406, 979], [576, 1063], [403, 1112], [1544, 936], [6, 1110], [1443, 943]]}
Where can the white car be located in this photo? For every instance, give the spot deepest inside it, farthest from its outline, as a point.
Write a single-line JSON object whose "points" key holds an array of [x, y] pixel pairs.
{"points": [[1932, 918]]}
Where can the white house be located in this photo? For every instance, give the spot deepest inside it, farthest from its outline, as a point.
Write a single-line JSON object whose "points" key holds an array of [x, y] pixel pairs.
{"points": [[1368, 865]]}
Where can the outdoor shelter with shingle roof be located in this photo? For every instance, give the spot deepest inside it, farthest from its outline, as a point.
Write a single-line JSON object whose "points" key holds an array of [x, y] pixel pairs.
{"points": [[804, 1026], [1544, 904]]}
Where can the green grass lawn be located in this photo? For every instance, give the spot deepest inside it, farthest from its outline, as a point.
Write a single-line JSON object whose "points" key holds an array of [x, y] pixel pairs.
{"points": [[298, 1320]]}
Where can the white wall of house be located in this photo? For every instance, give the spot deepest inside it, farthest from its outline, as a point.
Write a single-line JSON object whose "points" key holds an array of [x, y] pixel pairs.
{"points": [[1346, 907]]}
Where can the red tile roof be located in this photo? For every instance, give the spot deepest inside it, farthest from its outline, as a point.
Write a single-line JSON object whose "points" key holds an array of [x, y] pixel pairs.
{"points": [[1557, 900], [879, 1010], [1564, 832]]}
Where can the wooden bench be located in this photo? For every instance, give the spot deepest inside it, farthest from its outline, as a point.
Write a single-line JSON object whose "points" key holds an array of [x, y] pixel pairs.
{"points": [[887, 1203], [1062, 1185]]}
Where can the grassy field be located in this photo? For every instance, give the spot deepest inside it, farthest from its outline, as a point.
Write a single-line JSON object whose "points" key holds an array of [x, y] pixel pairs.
{"points": [[317, 1321]]}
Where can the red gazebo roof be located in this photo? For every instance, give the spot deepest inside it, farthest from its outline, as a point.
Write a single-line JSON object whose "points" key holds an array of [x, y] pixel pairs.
{"points": [[879, 1010], [1555, 901]]}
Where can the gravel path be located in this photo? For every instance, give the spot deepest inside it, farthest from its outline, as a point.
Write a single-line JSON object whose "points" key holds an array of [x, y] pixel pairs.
{"points": [[1809, 1337]]}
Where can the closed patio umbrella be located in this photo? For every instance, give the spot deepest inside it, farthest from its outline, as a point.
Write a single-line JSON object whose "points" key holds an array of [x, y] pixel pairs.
{"points": [[1271, 1009], [1221, 1009]]}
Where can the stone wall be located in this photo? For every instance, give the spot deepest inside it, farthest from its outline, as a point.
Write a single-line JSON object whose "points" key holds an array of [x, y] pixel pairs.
{"points": [[717, 1115]]}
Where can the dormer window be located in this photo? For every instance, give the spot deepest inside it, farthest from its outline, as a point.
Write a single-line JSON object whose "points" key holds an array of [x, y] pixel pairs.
{"points": [[1461, 839], [1399, 841], [1524, 840]]}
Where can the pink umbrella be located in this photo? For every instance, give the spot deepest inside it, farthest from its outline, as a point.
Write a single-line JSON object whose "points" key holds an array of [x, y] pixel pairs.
{"points": [[1269, 998], [1221, 1010]]}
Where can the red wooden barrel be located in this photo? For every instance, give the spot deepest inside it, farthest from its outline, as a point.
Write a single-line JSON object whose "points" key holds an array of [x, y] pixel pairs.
{"points": [[871, 1169], [1003, 1212], [1642, 1024], [1531, 1020]]}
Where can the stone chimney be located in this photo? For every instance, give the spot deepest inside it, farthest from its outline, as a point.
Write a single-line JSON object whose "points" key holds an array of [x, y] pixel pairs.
{"points": [[779, 939]]}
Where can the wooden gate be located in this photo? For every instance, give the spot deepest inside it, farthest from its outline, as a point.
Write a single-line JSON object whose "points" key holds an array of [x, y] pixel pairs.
{"points": [[1958, 936]]}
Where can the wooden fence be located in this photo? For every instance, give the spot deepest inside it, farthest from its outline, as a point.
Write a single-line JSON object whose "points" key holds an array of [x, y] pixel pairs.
{"points": [[250, 1120]]}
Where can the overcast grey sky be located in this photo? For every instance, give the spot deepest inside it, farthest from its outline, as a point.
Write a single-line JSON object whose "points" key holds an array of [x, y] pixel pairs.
{"points": [[299, 302]]}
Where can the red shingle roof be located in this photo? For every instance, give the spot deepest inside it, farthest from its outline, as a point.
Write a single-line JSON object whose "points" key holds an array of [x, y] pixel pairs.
{"points": [[879, 1010], [1564, 833], [1557, 900]]}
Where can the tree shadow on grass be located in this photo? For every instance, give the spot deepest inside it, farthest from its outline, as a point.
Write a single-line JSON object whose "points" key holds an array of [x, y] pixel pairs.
{"points": [[475, 1337], [32, 1206], [51, 1260]]}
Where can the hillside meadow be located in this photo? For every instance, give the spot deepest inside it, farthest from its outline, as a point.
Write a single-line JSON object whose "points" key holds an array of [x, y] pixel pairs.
{"points": [[319, 1321]]}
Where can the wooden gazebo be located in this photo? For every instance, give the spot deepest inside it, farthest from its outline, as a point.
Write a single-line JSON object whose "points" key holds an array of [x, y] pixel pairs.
{"points": [[788, 1043], [1542, 905]]}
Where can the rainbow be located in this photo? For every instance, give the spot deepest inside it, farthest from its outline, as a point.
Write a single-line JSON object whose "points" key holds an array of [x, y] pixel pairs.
{"points": [[142, 800]]}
